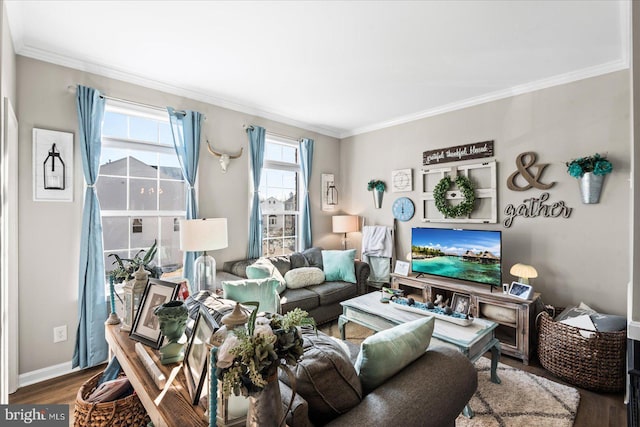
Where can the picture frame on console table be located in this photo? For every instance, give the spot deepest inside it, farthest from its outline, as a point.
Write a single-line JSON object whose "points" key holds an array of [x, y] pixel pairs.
{"points": [[146, 328], [196, 356], [461, 303], [521, 290], [402, 268]]}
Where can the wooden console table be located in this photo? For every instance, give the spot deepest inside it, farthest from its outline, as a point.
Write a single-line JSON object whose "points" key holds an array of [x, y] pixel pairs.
{"points": [[168, 407], [516, 334]]}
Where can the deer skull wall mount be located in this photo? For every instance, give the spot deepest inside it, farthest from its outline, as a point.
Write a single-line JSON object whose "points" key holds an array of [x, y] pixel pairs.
{"points": [[224, 157]]}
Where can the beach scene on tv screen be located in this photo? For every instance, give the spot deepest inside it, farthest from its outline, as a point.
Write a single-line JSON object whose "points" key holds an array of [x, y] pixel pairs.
{"points": [[472, 255]]}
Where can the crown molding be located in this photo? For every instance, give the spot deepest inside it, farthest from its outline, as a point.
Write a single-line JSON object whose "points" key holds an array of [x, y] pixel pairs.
{"points": [[90, 66], [561, 79]]}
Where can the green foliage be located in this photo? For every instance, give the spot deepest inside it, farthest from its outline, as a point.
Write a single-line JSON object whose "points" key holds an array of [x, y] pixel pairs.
{"points": [[422, 250], [462, 209], [125, 267], [376, 184]]}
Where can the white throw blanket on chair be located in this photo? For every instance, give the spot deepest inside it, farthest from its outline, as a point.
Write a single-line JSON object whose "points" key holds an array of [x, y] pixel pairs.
{"points": [[377, 250]]}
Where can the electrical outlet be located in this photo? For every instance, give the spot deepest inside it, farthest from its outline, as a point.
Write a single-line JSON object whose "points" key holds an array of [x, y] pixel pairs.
{"points": [[60, 333]]}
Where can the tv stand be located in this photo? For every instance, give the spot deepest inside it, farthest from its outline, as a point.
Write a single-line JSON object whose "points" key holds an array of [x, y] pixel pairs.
{"points": [[515, 316]]}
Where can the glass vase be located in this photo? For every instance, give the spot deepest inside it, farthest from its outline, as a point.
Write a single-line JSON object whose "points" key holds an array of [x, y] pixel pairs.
{"points": [[265, 407]]}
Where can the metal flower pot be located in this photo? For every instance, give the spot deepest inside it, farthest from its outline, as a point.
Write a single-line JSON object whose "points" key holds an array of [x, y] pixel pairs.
{"points": [[590, 187], [377, 198]]}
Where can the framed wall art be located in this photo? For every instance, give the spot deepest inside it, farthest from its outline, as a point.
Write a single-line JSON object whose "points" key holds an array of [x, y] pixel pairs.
{"points": [[52, 166], [196, 356], [329, 192], [401, 180], [146, 327]]}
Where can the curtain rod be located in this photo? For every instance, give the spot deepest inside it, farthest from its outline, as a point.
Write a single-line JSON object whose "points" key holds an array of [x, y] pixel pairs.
{"points": [[247, 127], [127, 101]]}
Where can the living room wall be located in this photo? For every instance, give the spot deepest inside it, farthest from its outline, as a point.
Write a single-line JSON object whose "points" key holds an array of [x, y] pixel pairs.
{"points": [[49, 233], [581, 258]]}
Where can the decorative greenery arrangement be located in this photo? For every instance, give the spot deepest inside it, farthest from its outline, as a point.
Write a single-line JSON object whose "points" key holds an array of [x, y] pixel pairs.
{"points": [[249, 358], [465, 207], [125, 267], [376, 184], [597, 164]]}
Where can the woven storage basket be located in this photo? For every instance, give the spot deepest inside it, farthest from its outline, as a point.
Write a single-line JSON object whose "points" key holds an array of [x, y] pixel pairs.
{"points": [[127, 411], [594, 361]]}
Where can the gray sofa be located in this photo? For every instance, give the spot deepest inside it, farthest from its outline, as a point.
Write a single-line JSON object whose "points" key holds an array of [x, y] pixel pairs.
{"points": [[430, 392], [322, 302]]}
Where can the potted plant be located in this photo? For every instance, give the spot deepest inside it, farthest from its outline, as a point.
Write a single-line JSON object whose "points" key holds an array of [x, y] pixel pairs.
{"points": [[378, 188], [590, 171], [125, 267]]}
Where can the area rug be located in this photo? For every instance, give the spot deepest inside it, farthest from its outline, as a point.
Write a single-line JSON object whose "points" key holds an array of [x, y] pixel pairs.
{"points": [[521, 400]]}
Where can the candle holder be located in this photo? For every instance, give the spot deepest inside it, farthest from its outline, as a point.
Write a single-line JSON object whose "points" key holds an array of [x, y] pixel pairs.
{"points": [[113, 318]]}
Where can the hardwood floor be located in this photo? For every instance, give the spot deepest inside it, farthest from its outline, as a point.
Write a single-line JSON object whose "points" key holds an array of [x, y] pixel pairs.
{"points": [[595, 409]]}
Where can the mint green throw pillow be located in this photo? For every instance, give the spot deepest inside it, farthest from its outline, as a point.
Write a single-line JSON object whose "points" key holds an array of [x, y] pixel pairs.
{"points": [[262, 269], [261, 290], [338, 265], [388, 352]]}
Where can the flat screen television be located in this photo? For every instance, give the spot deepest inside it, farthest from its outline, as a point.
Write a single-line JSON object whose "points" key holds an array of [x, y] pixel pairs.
{"points": [[471, 255]]}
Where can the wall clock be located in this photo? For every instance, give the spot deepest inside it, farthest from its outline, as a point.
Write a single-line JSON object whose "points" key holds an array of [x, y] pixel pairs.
{"points": [[403, 209], [401, 180]]}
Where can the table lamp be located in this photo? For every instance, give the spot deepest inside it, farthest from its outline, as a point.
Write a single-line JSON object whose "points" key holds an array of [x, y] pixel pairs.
{"points": [[202, 235], [523, 272], [345, 224]]}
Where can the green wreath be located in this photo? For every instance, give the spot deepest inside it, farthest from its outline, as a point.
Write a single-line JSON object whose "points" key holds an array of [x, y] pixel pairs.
{"points": [[462, 209]]}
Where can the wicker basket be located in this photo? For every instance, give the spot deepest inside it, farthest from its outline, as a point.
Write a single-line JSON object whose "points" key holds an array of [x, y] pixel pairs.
{"points": [[593, 361], [127, 411]]}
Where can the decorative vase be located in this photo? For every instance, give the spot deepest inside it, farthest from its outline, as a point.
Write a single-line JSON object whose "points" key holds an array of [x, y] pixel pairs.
{"points": [[377, 198], [590, 187], [265, 408]]}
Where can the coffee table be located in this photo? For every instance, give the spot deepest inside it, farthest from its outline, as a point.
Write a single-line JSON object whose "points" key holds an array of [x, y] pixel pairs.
{"points": [[473, 340]]}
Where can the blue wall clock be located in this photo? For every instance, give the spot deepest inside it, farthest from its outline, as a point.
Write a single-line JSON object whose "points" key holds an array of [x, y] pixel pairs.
{"points": [[403, 209]]}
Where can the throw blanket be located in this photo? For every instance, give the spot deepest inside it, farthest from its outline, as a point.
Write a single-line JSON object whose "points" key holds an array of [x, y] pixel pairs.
{"points": [[377, 241]]}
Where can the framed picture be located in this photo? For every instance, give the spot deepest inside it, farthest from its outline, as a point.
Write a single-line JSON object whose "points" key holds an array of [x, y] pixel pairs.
{"points": [[197, 355], [52, 166], [401, 180], [461, 303], [329, 192], [402, 267], [520, 290], [146, 327]]}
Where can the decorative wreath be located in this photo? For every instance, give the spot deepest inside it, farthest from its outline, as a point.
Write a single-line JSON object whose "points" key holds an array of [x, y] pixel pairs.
{"points": [[462, 209]]}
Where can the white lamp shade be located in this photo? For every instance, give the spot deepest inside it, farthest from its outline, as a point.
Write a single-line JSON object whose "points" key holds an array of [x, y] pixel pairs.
{"points": [[206, 234], [523, 270], [345, 223]]}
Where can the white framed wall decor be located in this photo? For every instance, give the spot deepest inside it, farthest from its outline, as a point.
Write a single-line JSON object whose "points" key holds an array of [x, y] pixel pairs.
{"points": [[52, 166], [329, 192], [401, 180]]}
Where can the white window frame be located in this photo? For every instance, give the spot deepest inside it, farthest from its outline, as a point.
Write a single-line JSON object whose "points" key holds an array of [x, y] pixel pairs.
{"points": [[289, 167], [132, 144]]}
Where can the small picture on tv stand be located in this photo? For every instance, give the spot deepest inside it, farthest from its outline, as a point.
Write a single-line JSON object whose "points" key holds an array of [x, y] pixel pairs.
{"points": [[468, 255]]}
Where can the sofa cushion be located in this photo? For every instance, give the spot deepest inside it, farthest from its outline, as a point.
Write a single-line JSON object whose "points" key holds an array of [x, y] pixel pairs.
{"points": [[298, 260], [304, 276], [334, 292], [282, 263], [238, 268], [339, 265], [386, 353], [325, 378], [261, 290], [313, 257], [264, 268], [302, 298]]}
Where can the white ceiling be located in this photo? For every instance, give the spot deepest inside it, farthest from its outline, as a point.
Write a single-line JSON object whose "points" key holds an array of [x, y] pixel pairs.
{"points": [[336, 67]]}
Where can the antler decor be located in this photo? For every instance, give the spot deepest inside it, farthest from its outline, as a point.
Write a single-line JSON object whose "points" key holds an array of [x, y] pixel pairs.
{"points": [[224, 157]]}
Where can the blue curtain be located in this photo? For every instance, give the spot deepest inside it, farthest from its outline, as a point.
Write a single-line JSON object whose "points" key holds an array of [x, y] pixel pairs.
{"points": [[256, 155], [91, 347], [186, 127], [306, 160]]}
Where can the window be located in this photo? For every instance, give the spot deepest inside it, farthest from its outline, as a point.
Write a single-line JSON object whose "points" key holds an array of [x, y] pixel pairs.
{"points": [[279, 202], [140, 186]]}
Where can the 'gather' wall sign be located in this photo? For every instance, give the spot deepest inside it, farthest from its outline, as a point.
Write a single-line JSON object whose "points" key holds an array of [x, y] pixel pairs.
{"points": [[535, 207]]}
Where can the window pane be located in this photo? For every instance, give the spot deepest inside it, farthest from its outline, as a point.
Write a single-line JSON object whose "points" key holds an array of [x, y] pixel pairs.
{"points": [[143, 164], [289, 154], [113, 162], [112, 193], [281, 152], [169, 167], [149, 233], [166, 137], [172, 196], [117, 237], [143, 129], [114, 124], [289, 246], [170, 256], [290, 225], [143, 195]]}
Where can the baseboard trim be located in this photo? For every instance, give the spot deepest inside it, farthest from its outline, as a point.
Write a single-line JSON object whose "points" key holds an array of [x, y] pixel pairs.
{"points": [[44, 374]]}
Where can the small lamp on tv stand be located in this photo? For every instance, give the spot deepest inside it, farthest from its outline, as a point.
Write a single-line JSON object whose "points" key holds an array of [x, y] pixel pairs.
{"points": [[523, 272], [202, 235], [345, 224]]}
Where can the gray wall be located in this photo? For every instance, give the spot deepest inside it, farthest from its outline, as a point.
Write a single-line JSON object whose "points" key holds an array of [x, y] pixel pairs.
{"points": [[49, 232], [582, 258]]}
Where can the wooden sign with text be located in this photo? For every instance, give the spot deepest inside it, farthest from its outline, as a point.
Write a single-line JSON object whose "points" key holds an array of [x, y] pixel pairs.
{"points": [[477, 150]]}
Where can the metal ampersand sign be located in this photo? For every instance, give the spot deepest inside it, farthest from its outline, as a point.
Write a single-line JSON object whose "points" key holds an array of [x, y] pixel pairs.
{"points": [[524, 162]]}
